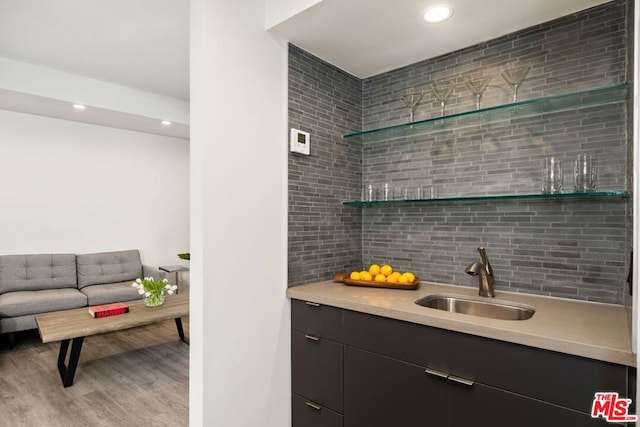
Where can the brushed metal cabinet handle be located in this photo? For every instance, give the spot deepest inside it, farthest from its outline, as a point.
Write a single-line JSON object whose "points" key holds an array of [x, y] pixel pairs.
{"points": [[313, 405], [312, 338], [313, 304], [461, 380], [436, 373]]}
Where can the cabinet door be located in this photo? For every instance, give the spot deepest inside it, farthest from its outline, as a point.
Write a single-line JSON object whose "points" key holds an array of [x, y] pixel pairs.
{"points": [[317, 365], [479, 405], [305, 413], [383, 392]]}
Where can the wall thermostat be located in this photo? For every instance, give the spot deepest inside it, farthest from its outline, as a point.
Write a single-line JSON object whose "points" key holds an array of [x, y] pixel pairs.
{"points": [[299, 142]]}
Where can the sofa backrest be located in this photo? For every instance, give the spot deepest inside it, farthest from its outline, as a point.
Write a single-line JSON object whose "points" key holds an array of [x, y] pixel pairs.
{"points": [[108, 267], [37, 271]]}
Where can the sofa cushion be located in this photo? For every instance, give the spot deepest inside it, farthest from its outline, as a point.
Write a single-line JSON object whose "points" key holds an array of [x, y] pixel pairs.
{"points": [[37, 272], [112, 292], [13, 304], [108, 267]]}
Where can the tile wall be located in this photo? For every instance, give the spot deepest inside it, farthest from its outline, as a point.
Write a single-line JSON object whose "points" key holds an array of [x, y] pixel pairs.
{"points": [[577, 249], [324, 236]]}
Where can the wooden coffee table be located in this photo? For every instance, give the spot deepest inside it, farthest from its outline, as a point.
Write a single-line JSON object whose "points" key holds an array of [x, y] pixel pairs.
{"points": [[74, 325]]}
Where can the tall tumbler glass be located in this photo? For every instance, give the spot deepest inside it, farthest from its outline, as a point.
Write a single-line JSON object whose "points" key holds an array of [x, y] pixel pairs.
{"points": [[552, 176], [585, 173]]}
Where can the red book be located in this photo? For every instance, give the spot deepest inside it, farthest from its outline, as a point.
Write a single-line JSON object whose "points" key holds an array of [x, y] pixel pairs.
{"points": [[108, 309]]}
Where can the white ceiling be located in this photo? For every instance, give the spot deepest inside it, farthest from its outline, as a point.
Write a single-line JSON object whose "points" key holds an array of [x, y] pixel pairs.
{"points": [[144, 44], [368, 37]]}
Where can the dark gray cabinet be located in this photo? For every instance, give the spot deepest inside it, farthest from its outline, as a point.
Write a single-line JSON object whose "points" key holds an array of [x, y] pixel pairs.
{"points": [[383, 372], [317, 365], [482, 405], [381, 392]]}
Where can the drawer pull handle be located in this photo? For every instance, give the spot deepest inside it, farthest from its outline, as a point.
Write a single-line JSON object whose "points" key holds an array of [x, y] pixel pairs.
{"points": [[314, 405], [461, 380], [436, 373], [313, 304], [312, 338]]}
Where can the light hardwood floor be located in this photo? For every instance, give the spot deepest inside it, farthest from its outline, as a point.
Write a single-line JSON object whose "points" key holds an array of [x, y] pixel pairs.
{"points": [[132, 378]]}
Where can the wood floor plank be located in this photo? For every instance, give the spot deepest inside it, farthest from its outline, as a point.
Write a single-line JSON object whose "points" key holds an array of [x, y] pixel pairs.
{"points": [[135, 377]]}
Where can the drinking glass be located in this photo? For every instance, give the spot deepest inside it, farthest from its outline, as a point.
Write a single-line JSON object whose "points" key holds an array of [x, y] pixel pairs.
{"points": [[584, 173], [369, 193], [515, 76], [411, 99], [477, 86], [387, 192], [442, 91], [552, 176]]}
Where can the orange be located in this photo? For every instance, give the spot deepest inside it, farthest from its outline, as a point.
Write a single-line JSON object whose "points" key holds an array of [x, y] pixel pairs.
{"points": [[386, 269], [393, 278], [355, 275], [374, 269], [381, 278], [365, 275], [403, 279], [410, 277]]}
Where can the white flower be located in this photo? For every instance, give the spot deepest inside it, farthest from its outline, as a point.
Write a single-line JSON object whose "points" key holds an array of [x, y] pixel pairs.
{"points": [[138, 280], [170, 292], [146, 294], [140, 291]]}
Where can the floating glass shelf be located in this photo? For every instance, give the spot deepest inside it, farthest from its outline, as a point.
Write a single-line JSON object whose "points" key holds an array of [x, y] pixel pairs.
{"points": [[531, 107], [590, 195]]}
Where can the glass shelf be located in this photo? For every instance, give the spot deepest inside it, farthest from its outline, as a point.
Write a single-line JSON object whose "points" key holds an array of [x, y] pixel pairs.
{"points": [[555, 103], [591, 195]]}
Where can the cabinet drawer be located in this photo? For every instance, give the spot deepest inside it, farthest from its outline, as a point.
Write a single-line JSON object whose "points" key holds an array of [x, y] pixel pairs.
{"points": [[562, 379], [317, 319], [483, 406], [317, 370], [305, 413]]}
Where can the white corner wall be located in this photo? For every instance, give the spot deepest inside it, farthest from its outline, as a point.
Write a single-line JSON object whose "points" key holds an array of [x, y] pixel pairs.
{"points": [[281, 10], [79, 188], [240, 316]]}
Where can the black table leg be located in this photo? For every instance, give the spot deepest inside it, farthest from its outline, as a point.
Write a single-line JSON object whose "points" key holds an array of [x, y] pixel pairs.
{"points": [[69, 371], [180, 329]]}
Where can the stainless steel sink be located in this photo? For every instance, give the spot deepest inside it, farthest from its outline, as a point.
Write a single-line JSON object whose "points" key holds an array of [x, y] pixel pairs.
{"points": [[482, 307]]}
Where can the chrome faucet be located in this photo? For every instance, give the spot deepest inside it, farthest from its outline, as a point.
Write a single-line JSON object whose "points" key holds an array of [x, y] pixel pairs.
{"points": [[484, 272]]}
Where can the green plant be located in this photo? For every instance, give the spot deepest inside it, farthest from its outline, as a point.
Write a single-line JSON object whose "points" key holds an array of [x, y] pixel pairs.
{"points": [[186, 256]]}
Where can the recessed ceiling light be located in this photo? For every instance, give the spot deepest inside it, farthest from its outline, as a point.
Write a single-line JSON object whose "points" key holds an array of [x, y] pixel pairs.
{"points": [[79, 106], [166, 122], [438, 13]]}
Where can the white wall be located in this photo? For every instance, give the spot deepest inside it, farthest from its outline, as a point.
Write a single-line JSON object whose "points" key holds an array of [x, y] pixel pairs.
{"points": [[636, 188], [79, 188], [239, 323], [281, 10]]}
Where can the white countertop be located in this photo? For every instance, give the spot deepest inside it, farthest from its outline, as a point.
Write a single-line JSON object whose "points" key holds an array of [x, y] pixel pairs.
{"points": [[594, 330]]}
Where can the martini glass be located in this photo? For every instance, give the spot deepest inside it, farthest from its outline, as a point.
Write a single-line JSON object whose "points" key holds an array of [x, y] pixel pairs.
{"points": [[515, 76], [442, 92], [411, 100], [477, 86]]}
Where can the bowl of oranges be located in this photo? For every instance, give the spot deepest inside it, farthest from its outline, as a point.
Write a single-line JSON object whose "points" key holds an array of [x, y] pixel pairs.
{"points": [[380, 276]]}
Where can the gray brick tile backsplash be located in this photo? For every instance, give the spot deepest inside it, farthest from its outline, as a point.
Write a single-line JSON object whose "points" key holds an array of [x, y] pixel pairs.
{"points": [[572, 249], [324, 236]]}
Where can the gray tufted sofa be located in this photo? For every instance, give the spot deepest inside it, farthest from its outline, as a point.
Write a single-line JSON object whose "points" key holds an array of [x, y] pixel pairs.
{"points": [[32, 284]]}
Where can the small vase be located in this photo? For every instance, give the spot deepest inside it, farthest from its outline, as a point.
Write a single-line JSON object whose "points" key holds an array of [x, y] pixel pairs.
{"points": [[154, 299]]}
